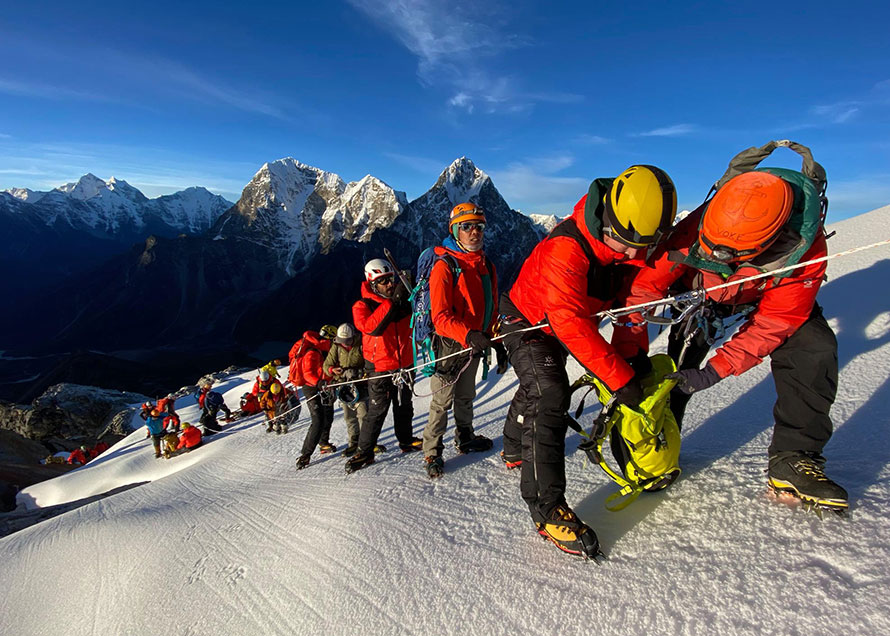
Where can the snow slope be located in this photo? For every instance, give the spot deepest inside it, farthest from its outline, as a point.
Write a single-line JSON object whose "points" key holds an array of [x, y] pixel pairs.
{"points": [[230, 539]]}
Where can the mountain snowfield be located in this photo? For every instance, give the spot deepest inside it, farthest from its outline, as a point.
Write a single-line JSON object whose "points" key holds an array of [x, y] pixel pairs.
{"points": [[230, 539], [114, 205]]}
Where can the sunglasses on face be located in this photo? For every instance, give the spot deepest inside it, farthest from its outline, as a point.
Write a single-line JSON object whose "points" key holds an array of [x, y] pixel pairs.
{"points": [[470, 226], [386, 280]]}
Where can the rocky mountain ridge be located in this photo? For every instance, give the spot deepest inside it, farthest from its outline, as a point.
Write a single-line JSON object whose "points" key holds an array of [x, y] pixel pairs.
{"points": [[115, 209]]}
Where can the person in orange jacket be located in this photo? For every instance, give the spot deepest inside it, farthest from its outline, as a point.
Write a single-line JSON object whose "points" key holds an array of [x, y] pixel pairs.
{"points": [[189, 438], [273, 403], [756, 222], [582, 267], [383, 316], [463, 309]]}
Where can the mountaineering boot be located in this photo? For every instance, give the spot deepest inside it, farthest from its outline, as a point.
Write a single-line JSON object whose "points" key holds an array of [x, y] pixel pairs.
{"points": [[324, 449], [475, 444], [358, 462], [278, 429], [303, 461], [415, 444], [511, 462], [379, 448], [435, 467], [284, 429], [568, 533], [349, 451], [270, 427], [803, 475]]}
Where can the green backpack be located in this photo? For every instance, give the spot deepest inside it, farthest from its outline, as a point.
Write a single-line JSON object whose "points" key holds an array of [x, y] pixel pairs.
{"points": [[645, 443]]}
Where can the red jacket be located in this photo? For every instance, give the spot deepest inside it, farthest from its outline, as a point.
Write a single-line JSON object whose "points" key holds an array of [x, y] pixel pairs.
{"points": [[250, 405], [386, 331], [782, 304], [554, 285], [315, 350], [189, 438], [458, 309], [77, 457]]}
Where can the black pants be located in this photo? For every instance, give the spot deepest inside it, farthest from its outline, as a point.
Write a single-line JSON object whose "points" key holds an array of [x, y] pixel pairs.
{"points": [[381, 392], [805, 371], [322, 417], [538, 419], [208, 419]]}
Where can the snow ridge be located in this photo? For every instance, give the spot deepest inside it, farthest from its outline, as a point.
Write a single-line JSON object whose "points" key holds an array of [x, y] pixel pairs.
{"points": [[116, 207]]}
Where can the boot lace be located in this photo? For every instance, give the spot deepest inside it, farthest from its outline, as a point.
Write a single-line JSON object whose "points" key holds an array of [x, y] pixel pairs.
{"points": [[810, 468]]}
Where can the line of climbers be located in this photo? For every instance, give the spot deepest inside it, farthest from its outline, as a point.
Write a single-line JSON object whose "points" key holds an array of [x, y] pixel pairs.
{"points": [[618, 247]]}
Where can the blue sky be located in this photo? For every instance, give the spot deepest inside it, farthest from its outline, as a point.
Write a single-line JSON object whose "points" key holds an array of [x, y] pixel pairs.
{"points": [[542, 96]]}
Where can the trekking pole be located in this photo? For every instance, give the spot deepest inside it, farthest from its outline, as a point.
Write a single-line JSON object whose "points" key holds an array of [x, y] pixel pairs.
{"points": [[402, 277]]}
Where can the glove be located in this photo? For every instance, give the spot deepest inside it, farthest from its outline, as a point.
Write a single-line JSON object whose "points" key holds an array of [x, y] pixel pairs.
{"points": [[500, 352], [691, 380], [400, 293], [641, 364], [631, 394], [478, 341]]}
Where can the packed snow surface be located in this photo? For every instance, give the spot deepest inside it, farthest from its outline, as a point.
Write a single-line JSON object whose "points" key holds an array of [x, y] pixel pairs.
{"points": [[230, 539]]}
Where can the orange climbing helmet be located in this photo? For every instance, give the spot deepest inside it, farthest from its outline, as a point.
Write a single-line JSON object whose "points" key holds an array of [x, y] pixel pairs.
{"points": [[466, 212], [745, 216]]}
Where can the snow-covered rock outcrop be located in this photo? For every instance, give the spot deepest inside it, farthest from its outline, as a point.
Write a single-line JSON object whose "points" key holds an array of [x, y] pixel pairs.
{"points": [[300, 211]]}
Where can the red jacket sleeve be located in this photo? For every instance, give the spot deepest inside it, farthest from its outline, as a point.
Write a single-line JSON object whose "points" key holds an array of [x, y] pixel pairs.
{"points": [[369, 321], [312, 362], [445, 321], [782, 309], [569, 310]]}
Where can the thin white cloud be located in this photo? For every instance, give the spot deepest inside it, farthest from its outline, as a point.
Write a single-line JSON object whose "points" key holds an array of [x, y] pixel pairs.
{"points": [[30, 88], [677, 130], [454, 41], [592, 140], [854, 196], [5, 136], [838, 113], [534, 186], [147, 77], [423, 165]]}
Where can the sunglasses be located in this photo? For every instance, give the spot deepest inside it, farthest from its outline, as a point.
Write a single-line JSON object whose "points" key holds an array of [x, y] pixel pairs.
{"points": [[385, 280], [470, 226]]}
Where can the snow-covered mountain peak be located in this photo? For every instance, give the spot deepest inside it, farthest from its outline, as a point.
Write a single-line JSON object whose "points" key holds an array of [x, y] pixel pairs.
{"points": [[25, 194], [87, 187], [302, 210], [544, 223], [462, 180]]}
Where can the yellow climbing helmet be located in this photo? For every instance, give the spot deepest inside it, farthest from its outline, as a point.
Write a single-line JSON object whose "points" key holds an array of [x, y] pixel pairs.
{"points": [[640, 206]]}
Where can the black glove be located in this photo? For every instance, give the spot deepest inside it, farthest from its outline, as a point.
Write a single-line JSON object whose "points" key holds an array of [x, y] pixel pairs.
{"points": [[631, 394], [500, 352], [641, 364], [478, 341], [692, 380], [400, 293]]}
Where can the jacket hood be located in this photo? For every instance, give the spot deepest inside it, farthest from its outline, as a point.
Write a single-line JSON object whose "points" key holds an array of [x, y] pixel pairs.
{"points": [[314, 338], [368, 293]]}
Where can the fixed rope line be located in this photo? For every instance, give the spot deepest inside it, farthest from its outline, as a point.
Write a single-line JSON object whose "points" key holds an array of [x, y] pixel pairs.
{"points": [[613, 313]]}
